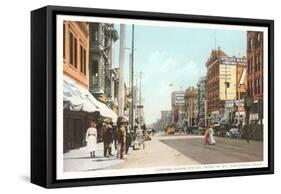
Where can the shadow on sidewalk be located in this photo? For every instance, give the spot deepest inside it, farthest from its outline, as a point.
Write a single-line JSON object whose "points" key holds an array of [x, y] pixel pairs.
{"points": [[98, 158]]}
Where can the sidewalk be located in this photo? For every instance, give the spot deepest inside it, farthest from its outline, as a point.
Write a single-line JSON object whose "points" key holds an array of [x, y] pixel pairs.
{"points": [[157, 154], [80, 160]]}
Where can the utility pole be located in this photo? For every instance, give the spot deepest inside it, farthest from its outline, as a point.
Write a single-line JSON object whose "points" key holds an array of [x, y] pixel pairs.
{"points": [[205, 112], [225, 90], [140, 76], [121, 70], [139, 107], [140, 100], [132, 78]]}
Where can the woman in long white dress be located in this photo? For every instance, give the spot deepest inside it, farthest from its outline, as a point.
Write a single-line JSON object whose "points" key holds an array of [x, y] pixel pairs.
{"points": [[91, 139], [212, 140]]}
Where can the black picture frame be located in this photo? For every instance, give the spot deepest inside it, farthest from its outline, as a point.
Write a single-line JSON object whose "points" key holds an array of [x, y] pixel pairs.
{"points": [[43, 95]]}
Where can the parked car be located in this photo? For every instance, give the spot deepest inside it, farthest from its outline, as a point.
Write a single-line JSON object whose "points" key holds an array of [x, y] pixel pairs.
{"points": [[234, 133]]}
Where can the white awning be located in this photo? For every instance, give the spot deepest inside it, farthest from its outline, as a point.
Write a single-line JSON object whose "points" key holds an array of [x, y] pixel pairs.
{"points": [[77, 98]]}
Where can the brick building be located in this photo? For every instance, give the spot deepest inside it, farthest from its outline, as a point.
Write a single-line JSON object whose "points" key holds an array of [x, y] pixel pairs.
{"points": [[255, 79], [223, 87], [255, 64], [76, 78], [213, 81], [76, 52]]}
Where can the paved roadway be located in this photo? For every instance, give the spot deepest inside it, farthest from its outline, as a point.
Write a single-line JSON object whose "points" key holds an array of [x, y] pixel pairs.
{"points": [[176, 150], [225, 151]]}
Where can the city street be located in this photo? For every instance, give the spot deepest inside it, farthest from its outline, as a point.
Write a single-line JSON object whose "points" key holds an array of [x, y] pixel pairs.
{"points": [[168, 150], [173, 150], [106, 99], [225, 151]]}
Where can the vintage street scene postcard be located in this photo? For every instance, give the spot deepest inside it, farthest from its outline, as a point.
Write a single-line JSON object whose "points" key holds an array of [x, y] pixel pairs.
{"points": [[146, 97]]}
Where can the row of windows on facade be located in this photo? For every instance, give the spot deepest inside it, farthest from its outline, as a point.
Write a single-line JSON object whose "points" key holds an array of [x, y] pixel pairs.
{"points": [[213, 104], [74, 48], [255, 42], [213, 86], [101, 35], [213, 71], [255, 87], [254, 64], [213, 94]]}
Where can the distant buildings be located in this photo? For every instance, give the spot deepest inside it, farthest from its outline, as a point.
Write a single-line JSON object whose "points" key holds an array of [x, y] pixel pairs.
{"points": [[202, 101], [241, 81], [191, 104], [213, 82], [178, 106], [166, 118], [222, 83]]}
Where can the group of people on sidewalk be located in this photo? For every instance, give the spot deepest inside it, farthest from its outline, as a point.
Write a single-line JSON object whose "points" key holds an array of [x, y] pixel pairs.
{"points": [[110, 134]]}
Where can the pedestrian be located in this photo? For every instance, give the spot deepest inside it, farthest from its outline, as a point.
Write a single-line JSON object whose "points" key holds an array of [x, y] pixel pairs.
{"points": [[108, 140], [206, 136], [246, 131], [122, 136], [212, 140], [115, 135], [91, 138], [104, 131]]}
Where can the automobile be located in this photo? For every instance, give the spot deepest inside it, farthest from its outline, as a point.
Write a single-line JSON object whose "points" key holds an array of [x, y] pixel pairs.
{"points": [[234, 133], [170, 129]]}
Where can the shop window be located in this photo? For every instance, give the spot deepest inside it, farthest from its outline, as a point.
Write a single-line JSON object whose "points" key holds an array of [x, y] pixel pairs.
{"points": [[73, 50], [83, 60], [251, 45]]}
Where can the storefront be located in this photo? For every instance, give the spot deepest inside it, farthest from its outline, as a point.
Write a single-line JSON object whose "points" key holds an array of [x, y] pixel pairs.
{"points": [[79, 107]]}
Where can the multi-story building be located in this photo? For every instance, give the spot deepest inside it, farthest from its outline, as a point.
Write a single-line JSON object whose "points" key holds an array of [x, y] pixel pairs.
{"points": [[75, 52], [76, 72], [241, 80], [113, 101], [213, 82], [222, 82], [166, 118], [178, 106], [102, 75], [255, 74], [191, 104], [202, 101]]}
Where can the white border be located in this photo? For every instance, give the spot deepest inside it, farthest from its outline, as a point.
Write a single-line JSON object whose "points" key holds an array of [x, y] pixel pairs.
{"points": [[60, 174]]}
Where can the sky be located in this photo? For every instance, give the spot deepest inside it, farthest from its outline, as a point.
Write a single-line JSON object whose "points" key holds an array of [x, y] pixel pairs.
{"points": [[174, 55]]}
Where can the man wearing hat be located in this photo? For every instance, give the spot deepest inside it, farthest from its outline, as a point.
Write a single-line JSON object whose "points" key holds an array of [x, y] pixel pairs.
{"points": [[122, 136], [108, 139]]}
